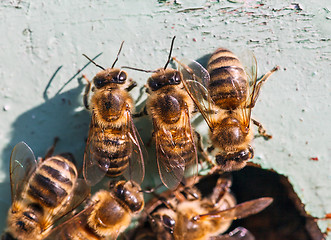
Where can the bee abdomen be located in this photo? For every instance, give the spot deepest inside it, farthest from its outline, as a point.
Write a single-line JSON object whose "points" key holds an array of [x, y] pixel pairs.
{"points": [[56, 174], [53, 181], [228, 82], [46, 191], [118, 165], [114, 152], [181, 145]]}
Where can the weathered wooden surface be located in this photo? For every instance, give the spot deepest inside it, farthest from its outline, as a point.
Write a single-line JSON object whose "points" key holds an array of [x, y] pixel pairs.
{"points": [[44, 41]]}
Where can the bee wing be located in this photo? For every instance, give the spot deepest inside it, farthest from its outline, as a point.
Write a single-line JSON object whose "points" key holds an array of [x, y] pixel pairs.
{"points": [[191, 168], [136, 169], [239, 233], [22, 165], [193, 70], [65, 229], [171, 165], [196, 81], [241, 210], [94, 169], [76, 197], [249, 63], [171, 169]]}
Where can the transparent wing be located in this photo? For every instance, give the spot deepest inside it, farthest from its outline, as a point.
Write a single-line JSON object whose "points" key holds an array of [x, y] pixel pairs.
{"points": [[248, 60], [195, 71], [22, 165], [95, 168], [169, 150], [191, 167], [136, 169], [68, 229], [78, 194], [196, 82], [239, 233], [249, 63], [240, 211], [170, 164]]}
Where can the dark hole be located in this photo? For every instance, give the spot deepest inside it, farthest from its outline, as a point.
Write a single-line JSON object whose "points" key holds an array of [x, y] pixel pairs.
{"points": [[285, 218]]}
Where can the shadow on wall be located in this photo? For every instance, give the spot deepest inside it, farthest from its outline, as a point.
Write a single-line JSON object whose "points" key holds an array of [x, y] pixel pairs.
{"points": [[57, 117], [60, 116]]}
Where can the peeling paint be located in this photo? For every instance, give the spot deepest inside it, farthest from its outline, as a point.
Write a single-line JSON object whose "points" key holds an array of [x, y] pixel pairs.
{"points": [[43, 44]]}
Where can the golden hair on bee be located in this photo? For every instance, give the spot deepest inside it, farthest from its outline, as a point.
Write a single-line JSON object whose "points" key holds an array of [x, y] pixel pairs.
{"points": [[170, 108], [42, 192], [225, 97], [204, 217], [108, 214], [113, 146]]}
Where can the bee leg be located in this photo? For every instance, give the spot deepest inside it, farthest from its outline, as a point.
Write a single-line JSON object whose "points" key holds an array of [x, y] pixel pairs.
{"points": [[238, 233], [132, 85], [87, 93], [257, 87], [161, 200], [50, 151], [261, 130], [199, 145], [222, 187], [141, 114]]}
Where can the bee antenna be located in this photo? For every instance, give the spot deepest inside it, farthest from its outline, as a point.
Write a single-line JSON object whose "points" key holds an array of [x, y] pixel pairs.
{"points": [[93, 62], [139, 69], [119, 51], [169, 57]]}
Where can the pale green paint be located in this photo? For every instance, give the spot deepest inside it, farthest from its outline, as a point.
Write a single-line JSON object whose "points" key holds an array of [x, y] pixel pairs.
{"points": [[38, 37]]}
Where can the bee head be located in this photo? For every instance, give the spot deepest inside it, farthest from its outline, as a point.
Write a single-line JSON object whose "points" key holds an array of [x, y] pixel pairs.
{"points": [[163, 219], [108, 76], [130, 193], [234, 161], [164, 77], [23, 222]]}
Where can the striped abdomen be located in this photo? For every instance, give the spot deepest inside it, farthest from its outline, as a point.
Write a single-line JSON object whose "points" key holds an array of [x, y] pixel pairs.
{"points": [[173, 124], [112, 149], [179, 145], [52, 182], [228, 81]]}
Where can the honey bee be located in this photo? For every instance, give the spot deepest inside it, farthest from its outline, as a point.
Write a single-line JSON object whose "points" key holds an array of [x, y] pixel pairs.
{"points": [[204, 218], [113, 147], [41, 192], [225, 99], [106, 217], [170, 108]]}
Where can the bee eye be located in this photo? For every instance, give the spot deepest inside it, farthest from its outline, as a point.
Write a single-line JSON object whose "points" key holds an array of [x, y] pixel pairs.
{"points": [[153, 84], [175, 79], [98, 82], [168, 221], [122, 77]]}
